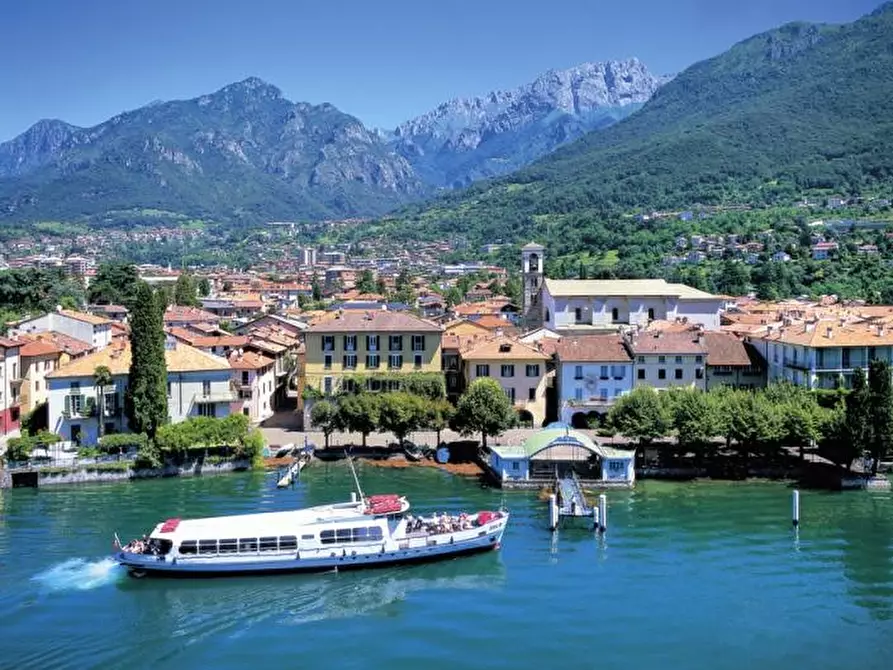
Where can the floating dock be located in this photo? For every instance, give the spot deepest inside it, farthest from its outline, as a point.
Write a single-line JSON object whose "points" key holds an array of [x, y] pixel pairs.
{"points": [[569, 501]]}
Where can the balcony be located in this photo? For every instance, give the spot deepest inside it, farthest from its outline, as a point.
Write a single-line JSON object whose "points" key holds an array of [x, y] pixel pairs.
{"points": [[796, 364], [214, 397]]}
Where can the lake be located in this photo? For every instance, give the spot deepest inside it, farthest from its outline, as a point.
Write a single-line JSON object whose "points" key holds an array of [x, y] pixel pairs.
{"points": [[688, 575]]}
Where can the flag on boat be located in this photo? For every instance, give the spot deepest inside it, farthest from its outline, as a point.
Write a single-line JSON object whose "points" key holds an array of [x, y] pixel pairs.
{"points": [[117, 543]]}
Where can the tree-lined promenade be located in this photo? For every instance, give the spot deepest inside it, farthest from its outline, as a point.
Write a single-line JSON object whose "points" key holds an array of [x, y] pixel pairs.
{"points": [[762, 424]]}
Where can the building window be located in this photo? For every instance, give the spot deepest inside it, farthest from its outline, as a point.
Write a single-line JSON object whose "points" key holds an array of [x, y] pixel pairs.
{"points": [[418, 342], [246, 379], [603, 394], [37, 386], [678, 360], [510, 394], [395, 361], [206, 387], [618, 372], [578, 372], [373, 361], [651, 313], [327, 361], [531, 394], [327, 385], [603, 372], [699, 359], [372, 342], [640, 374], [350, 361], [578, 314], [507, 370], [481, 370], [207, 409], [548, 315], [328, 343], [845, 357], [661, 374], [417, 360], [395, 343], [641, 359], [578, 394], [350, 343], [168, 389], [617, 392], [661, 359], [533, 370], [699, 373], [678, 373]]}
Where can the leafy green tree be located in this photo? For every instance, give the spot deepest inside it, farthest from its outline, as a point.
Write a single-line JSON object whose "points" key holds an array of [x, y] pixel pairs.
{"points": [[641, 414], [204, 287], [484, 408], [359, 413], [752, 421], [694, 417], [324, 417], [401, 413], [881, 396], [366, 282], [186, 291], [438, 414], [114, 284], [858, 412], [316, 288], [146, 397], [102, 379], [381, 288]]}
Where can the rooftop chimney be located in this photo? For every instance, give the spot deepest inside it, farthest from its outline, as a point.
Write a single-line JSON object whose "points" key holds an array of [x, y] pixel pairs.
{"points": [[881, 330], [829, 332]]}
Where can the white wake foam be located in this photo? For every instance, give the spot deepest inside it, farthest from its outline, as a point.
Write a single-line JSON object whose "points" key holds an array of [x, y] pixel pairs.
{"points": [[78, 574]]}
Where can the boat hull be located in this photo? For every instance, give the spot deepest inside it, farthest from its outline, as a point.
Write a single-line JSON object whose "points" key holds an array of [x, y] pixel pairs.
{"points": [[141, 565]]}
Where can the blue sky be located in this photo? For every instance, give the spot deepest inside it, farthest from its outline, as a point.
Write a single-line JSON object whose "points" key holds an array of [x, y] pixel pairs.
{"points": [[383, 61]]}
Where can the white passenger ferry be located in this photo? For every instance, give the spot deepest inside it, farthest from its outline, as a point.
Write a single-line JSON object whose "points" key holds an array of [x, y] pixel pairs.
{"points": [[365, 532]]}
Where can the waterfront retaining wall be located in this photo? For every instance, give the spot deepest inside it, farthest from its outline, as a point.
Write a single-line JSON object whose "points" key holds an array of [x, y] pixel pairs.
{"points": [[85, 475]]}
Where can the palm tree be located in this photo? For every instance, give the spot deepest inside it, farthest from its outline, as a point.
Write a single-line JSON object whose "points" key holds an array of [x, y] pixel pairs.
{"points": [[102, 378]]}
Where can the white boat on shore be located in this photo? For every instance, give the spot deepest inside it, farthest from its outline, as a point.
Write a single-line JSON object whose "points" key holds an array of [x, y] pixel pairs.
{"points": [[364, 532]]}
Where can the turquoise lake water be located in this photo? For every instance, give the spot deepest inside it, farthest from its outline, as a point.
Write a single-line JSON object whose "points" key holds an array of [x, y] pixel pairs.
{"points": [[688, 576]]}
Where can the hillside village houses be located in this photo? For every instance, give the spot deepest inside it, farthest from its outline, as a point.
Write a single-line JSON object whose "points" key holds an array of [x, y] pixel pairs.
{"points": [[198, 384]]}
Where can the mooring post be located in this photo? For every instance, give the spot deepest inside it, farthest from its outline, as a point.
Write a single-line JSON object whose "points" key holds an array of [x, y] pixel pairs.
{"points": [[595, 525], [602, 512], [795, 505], [553, 511], [353, 496]]}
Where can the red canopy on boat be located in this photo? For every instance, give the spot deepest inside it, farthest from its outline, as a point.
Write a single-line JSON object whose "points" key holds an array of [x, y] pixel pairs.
{"points": [[170, 525], [386, 503]]}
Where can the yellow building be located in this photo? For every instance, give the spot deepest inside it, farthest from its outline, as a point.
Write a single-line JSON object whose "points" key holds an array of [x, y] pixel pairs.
{"points": [[38, 358], [352, 342], [520, 370]]}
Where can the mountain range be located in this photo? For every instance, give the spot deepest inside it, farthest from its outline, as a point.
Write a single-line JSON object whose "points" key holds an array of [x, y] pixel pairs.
{"points": [[797, 110], [247, 153]]}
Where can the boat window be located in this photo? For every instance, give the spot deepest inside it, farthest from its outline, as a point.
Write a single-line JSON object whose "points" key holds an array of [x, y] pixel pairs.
{"points": [[288, 543], [248, 545], [228, 546], [307, 537], [342, 535], [207, 546], [327, 537], [360, 534], [188, 547], [269, 543], [375, 533]]}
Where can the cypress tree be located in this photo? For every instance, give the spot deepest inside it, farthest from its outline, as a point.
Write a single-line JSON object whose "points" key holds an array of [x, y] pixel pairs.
{"points": [[146, 398], [881, 396]]}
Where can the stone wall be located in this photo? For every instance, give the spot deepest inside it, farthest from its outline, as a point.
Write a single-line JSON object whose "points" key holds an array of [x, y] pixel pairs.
{"points": [[84, 475]]}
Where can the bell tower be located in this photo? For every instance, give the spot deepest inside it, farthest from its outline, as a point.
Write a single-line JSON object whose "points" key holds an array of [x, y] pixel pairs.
{"points": [[532, 277]]}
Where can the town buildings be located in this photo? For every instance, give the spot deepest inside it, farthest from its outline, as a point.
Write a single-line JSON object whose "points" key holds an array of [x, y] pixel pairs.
{"points": [[666, 359], [38, 357], [198, 384], [593, 371], [520, 370], [90, 328], [255, 379], [375, 343], [10, 385]]}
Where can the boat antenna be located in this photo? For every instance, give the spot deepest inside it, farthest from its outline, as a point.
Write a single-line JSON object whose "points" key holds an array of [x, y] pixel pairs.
{"points": [[356, 480]]}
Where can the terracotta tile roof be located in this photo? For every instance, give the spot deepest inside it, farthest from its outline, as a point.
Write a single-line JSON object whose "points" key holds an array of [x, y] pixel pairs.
{"points": [[9, 343], [39, 348], [592, 348], [491, 322], [69, 345], [249, 360], [505, 348], [183, 358], [725, 349], [456, 342], [208, 341], [353, 321], [92, 319], [667, 343], [833, 333], [181, 314]]}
